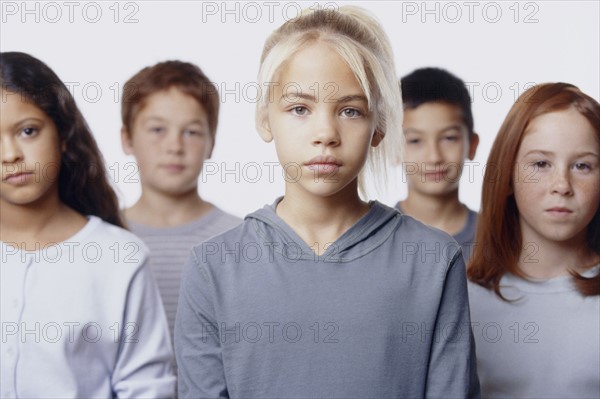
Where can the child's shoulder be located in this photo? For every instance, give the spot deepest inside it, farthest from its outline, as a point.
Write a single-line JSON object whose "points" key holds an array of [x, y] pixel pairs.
{"points": [[425, 243], [106, 235], [407, 226], [212, 223], [101, 229], [239, 231], [412, 227], [224, 219]]}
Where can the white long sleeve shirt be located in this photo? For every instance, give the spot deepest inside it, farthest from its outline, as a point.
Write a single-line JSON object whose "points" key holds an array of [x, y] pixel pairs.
{"points": [[83, 319]]}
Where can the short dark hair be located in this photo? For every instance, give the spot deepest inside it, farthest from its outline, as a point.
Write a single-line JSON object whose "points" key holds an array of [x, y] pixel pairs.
{"points": [[426, 85]]}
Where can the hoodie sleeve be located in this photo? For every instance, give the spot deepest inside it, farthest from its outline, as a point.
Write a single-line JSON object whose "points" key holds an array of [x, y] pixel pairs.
{"points": [[197, 345], [452, 371]]}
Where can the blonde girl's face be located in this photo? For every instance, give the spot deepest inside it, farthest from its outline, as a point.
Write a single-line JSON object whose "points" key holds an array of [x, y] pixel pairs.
{"points": [[557, 178], [320, 121], [30, 152]]}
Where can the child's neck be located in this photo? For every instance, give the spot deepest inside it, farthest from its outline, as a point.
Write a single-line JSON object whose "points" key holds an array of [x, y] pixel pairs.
{"points": [[446, 212], [545, 259], [160, 210], [320, 221], [34, 226]]}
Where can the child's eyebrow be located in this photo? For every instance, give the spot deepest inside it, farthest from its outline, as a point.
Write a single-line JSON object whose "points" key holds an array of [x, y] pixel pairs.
{"points": [[451, 127], [197, 121], [444, 130], [290, 96], [153, 118], [588, 153], [27, 120], [550, 153], [352, 97], [533, 152]]}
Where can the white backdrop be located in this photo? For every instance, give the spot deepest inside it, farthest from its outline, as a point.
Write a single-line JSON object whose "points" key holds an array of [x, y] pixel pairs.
{"points": [[498, 48]]}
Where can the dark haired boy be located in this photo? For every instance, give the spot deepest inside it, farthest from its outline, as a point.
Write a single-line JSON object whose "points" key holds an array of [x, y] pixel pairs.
{"points": [[439, 137]]}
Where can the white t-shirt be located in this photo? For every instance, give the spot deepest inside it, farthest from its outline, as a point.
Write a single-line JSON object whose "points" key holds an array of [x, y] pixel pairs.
{"points": [[83, 318]]}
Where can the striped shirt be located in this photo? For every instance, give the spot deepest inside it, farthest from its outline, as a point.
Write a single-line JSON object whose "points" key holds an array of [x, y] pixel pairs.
{"points": [[170, 247]]}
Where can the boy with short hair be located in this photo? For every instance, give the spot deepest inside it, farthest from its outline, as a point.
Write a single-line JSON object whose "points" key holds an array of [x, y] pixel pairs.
{"points": [[438, 129], [170, 113]]}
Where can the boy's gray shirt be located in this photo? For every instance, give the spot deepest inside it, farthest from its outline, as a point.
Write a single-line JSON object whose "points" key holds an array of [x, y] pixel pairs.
{"points": [[383, 313], [466, 237]]}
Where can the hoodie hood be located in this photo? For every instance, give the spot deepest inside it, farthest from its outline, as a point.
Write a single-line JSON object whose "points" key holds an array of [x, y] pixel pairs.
{"points": [[368, 233]]}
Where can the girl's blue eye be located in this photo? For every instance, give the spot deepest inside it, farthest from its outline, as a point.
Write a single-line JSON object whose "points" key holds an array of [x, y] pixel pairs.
{"points": [[156, 129], [351, 113], [299, 110], [541, 164], [413, 141]]}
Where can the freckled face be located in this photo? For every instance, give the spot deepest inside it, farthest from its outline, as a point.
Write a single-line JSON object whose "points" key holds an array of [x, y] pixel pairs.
{"points": [[557, 177]]}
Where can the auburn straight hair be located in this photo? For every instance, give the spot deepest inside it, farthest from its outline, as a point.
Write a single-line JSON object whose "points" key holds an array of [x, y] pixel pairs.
{"points": [[498, 237]]}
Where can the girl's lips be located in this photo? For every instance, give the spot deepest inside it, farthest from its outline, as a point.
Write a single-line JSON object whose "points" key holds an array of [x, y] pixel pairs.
{"points": [[559, 213], [323, 160], [559, 210], [173, 168], [323, 168], [18, 178], [323, 164]]}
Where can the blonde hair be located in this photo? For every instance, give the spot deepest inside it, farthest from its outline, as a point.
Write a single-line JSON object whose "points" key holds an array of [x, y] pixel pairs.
{"points": [[360, 41]]}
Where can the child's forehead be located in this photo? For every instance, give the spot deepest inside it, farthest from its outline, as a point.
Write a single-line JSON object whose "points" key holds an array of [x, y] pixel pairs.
{"points": [[435, 112], [21, 103], [438, 107], [168, 92], [318, 69], [551, 126], [163, 98]]}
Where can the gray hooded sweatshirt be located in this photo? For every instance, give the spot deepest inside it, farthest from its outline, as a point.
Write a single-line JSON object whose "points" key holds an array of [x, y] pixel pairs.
{"points": [[383, 313]]}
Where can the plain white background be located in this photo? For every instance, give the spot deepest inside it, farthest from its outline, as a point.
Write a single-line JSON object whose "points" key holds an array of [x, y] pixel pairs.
{"points": [[498, 48]]}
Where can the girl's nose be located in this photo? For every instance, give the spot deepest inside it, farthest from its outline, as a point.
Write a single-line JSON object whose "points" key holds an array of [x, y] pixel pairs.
{"points": [[561, 183], [326, 132], [11, 151]]}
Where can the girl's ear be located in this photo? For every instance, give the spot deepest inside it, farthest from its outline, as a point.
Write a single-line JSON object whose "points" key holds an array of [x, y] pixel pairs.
{"points": [[473, 144], [377, 138], [263, 125], [209, 152], [126, 141]]}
